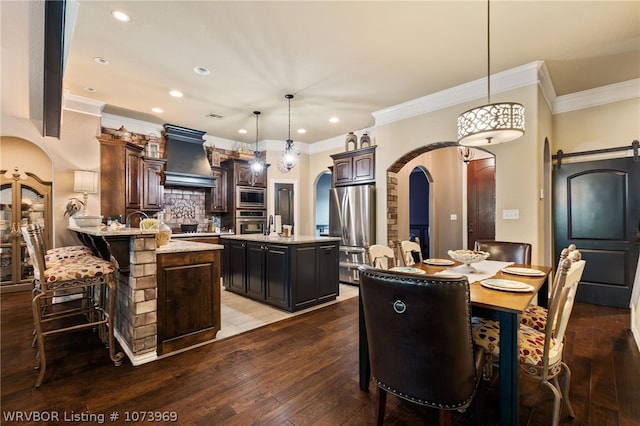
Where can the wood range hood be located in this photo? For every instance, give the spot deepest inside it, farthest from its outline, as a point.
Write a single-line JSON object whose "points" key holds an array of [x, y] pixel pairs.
{"points": [[187, 164]]}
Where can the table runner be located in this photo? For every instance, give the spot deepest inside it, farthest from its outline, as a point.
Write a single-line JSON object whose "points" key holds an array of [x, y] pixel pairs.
{"points": [[484, 269]]}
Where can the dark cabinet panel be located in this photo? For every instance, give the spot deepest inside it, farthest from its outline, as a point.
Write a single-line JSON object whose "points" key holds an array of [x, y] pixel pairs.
{"points": [[216, 198], [277, 276], [255, 270], [152, 189], [188, 299], [327, 271], [354, 167]]}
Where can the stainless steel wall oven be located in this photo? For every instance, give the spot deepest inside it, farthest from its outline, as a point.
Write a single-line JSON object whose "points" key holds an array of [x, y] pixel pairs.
{"points": [[251, 221]]}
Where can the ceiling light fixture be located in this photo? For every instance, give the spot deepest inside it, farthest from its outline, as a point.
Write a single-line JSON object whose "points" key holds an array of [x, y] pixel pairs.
{"points": [[491, 124], [257, 165], [157, 110], [201, 71], [120, 16], [101, 60], [176, 93], [289, 155]]}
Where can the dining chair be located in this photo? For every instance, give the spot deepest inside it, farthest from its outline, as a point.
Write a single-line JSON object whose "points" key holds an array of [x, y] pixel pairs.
{"points": [[381, 256], [540, 352], [505, 251], [408, 248], [535, 316], [419, 339], [89, 285]]}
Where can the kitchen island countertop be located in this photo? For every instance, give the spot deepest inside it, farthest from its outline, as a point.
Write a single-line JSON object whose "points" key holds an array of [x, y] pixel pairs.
{"points": [[295, 239], [178, 246]]}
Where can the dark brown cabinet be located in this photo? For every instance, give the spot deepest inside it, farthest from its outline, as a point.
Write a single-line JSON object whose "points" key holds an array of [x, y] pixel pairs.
{"points": [[244, 176], [188, 299], [354, 167], [152, 188], [128, 181], [216, 197], [287, 276]]}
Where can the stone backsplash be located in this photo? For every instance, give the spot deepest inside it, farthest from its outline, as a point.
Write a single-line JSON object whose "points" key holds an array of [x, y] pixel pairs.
{"points": [[185, 206]]}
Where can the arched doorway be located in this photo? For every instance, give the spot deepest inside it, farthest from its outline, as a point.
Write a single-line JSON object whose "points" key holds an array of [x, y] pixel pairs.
{"points": [[323, 187], [419, 207], [447, 206]]}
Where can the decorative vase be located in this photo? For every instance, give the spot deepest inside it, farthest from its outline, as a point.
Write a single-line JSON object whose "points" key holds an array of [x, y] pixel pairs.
{"points": [[365, 140], [351, 139], [164, 232]]}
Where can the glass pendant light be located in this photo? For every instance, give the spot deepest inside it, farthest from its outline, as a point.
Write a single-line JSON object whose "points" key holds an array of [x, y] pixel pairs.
{"points": [[257, 165], [491, 124], [289, 155]]}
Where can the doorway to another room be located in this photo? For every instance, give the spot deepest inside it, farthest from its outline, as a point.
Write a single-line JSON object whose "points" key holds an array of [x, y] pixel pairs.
{"points": [[323, 188], [419, 209]]}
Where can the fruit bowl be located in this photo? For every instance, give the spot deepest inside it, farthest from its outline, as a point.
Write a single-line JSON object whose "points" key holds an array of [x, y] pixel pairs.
{"points": [[86, 221], [468, 257]]}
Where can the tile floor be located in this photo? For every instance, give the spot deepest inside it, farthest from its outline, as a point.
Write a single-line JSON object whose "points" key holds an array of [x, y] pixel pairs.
{"points": [[240, 314]]}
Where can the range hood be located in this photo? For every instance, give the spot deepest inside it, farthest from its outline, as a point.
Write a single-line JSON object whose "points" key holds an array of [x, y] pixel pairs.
{"points": [[187, 164]]}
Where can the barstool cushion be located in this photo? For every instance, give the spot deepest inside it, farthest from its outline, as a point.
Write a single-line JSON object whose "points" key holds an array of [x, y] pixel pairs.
{"points": [[69, 252], [80, 268]]}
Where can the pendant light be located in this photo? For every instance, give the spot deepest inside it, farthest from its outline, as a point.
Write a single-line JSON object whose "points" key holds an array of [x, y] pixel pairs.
{"points": [[491, 124], [465, 153], [289, 155], [257, 165]]}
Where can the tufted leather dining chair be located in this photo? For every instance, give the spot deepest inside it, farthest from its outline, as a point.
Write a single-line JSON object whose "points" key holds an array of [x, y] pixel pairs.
{"points": [[419, 339], [505, 251]]}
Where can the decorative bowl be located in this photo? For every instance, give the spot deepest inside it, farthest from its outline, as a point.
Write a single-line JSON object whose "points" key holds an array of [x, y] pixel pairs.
{"points": [[86, 221], [468, 257]]}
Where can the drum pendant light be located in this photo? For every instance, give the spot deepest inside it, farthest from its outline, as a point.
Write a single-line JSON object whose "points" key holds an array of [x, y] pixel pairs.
{"points": [[491, 124]]}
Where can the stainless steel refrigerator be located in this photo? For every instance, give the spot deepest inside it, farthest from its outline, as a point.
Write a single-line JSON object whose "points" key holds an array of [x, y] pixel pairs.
{"points": [[352, 217]]}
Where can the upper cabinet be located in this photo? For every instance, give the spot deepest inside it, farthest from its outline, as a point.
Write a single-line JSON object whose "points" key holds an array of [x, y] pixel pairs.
{"points": [[354, 167], [244, 176], [128, 181], [216, 197]]}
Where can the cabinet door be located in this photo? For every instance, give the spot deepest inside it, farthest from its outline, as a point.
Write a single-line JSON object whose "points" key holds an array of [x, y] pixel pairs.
{"points": [[216, 198], [260, 179], [243, 174], [327, 267], [133, 194], [277, 276], [153, 191], [304, 280], [255, 270], [188, 299], [235, 275], [363, 167], [342, 171]]}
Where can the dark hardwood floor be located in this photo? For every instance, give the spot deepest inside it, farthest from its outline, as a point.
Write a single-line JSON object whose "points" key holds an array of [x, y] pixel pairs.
{"points": [[300, 371]]}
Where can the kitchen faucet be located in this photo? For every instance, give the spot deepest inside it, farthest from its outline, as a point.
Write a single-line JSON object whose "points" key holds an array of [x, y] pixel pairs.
{"points": [[128, 219], [268, 230]]}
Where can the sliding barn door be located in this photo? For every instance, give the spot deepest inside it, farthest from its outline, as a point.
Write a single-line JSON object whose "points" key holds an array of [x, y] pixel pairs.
{"points": [[596, 206]]}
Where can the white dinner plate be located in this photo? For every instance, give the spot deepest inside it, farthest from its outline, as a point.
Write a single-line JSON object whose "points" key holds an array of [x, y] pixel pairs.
{"points": [[507, 285], [527, 272], [439, 262], [408, 269]]}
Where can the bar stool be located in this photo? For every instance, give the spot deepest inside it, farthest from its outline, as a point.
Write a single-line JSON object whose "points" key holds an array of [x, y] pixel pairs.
{"points": [[88, 280]]}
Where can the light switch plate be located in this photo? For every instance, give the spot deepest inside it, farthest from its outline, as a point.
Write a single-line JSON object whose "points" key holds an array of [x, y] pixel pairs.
{"points": [[511, 214], [454, 216]]}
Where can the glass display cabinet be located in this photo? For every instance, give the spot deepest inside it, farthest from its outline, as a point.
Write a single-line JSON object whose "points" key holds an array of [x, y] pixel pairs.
{"points": [[24, 199]]}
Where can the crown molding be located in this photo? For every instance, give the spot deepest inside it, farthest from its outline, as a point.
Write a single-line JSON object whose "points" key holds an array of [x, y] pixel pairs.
{"points": [[505, 81], [599, 96]]}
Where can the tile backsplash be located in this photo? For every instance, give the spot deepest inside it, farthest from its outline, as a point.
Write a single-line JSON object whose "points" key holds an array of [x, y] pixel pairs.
{"points": [[185, 206]]}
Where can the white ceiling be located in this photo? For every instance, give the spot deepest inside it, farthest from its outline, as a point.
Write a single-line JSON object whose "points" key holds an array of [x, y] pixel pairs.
{"points": [[339, 58]]}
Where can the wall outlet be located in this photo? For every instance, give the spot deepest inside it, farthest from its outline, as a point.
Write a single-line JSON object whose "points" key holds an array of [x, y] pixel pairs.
{"points": [[511, 214]]}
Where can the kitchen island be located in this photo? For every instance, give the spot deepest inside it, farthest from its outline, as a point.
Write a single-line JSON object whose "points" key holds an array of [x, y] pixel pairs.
{"points": [[168, 297], [290, 273]]}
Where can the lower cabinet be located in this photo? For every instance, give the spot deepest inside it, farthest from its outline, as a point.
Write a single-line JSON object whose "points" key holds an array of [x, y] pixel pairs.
{"points": [[287, 276], [188, 299]]}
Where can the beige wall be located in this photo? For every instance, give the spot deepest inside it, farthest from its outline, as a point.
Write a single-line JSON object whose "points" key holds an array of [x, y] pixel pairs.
{"points": [[77, 149]]}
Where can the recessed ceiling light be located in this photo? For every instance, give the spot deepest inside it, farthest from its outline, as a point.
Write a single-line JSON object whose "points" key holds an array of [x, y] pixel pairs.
{"points": [[334, 120], [90, 89], [101, 61], [243, 131], [201, 71], [176, 93], [120, 16], [302, 131], [157, 110]]}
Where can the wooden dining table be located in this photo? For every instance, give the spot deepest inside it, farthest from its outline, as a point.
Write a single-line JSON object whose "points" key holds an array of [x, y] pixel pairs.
{"points": [[506, 307]]}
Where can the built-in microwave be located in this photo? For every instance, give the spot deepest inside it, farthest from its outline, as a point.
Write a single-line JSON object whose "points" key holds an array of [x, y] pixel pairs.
{"points": [[248, 197]]}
